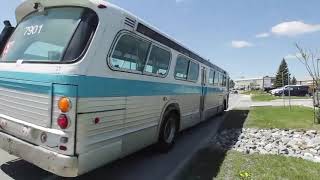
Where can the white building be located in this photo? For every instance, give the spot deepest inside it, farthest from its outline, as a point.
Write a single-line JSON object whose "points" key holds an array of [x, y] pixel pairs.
{"points": [[265, 82]]}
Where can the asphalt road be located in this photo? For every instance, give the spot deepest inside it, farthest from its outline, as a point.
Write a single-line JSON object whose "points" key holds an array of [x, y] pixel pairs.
{"points": [[143, 165], [239, 101]]}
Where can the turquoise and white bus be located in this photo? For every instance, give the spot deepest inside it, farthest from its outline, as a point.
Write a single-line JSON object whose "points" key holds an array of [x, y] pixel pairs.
{"points": [[84, 82]]}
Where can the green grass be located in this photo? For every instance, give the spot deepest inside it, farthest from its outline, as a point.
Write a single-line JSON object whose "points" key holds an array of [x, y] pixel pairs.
{"points": [[263, 96], [280, 117], [210, 163], [260, 96], [267, 167]]}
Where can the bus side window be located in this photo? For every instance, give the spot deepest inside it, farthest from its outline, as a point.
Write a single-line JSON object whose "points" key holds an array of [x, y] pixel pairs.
{"points": [[223, 80], [181, 70], [158, 62], [216, 78], [220, 79], [130, 53], [193, 73], [211, 76]]}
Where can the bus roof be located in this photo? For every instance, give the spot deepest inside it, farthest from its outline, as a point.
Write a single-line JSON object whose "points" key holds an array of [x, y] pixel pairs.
{"points": [[26, 8]]}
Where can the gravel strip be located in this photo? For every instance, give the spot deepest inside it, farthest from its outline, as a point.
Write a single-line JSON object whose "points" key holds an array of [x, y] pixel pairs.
{"points": [[293, 143]]}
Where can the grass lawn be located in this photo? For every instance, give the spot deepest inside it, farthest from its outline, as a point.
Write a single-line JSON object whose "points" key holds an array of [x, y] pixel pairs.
{"points": [[266, 167], [280, 117], [263, 96], [211, 163]]}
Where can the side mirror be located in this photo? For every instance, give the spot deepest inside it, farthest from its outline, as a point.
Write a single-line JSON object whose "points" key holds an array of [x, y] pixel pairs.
{"points": [[5, 35]]}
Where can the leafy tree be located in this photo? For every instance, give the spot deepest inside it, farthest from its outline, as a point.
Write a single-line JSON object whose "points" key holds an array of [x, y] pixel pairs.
{"points": [[283, 75], [294, 81]]}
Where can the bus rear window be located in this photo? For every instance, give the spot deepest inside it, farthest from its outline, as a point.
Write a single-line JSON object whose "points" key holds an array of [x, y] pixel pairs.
{"points": [[51, 36]]}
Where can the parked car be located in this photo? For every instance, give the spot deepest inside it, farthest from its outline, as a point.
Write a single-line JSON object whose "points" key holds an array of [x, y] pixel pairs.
{"points": [[273, 91], [295, 90]]}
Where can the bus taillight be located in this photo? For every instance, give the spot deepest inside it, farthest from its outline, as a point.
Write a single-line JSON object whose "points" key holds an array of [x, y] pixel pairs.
{"points": [[63, 121]]}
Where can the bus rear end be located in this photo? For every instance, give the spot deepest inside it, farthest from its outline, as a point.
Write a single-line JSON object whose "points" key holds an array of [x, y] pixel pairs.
{"points": [[38, 125], [39, 72]]}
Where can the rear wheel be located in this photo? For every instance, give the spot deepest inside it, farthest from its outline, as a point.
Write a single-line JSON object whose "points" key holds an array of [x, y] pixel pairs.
{"points": [[223, 108], [168, 132], [225, 105]]}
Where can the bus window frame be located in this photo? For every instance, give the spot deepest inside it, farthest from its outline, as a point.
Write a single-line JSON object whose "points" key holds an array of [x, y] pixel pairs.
{"points": [[189, 59], [213, 73], [196, 80], [169, 64], [115, 42]]}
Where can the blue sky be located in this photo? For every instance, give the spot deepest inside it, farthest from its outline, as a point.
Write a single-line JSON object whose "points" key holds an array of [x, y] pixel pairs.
{"points": [[248, 38]]}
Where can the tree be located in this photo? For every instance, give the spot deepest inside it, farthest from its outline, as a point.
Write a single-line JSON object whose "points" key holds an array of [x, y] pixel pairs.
{"points": [[310, 59], [294, 81], [283, 75], [311, 62]]}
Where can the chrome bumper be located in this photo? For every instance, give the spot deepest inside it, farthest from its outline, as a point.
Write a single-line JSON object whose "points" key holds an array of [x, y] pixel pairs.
{"points": [[58, 164]]}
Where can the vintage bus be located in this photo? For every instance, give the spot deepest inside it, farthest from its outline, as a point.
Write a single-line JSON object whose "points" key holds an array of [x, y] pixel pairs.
{"points": [[84, 82]]}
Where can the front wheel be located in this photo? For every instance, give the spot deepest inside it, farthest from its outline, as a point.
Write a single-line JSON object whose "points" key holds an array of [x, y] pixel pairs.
{"points": [[168, 132]]}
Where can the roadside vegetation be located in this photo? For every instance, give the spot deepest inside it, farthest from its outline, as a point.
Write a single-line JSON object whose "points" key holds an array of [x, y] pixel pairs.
{"points": [[237, 165], [214, 163], [211, 163], [264, 96], [281, 117]]}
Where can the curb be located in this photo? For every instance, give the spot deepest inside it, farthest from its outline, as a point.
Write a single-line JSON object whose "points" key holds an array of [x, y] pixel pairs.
{"points": [[268, 105]]}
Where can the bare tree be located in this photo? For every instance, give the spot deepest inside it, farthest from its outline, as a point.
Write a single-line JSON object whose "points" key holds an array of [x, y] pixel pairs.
{"points": [[310, 59]]}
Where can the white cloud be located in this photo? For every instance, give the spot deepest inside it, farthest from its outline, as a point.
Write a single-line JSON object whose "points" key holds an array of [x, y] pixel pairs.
{"points": [[262, 35], [293, 28], [292, 56], [241, 44]]}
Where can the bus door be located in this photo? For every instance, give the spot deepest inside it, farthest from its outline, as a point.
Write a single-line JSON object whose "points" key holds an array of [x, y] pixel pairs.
{"points": [[203, 93]]}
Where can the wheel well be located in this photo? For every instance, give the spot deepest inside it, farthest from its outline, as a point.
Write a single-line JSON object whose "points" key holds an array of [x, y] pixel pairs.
{"points": [[173, 108]]}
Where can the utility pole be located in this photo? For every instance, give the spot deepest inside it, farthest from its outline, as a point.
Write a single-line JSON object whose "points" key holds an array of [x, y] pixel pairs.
{"points": [[289, 91], [283, 89]]}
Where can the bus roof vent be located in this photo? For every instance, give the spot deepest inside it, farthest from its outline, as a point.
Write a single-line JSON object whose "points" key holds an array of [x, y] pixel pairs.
{"points": [[130, 22]]}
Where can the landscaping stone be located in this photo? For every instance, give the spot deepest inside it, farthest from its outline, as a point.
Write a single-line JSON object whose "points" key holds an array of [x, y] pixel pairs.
{"points": [[287, 142]]}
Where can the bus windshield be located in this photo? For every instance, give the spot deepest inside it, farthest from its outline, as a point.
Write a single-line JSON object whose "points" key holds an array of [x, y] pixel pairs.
{"points": [[45, 36]]}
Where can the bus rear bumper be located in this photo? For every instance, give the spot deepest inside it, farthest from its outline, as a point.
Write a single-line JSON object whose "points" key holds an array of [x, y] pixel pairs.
{"points": [[56, 163]]}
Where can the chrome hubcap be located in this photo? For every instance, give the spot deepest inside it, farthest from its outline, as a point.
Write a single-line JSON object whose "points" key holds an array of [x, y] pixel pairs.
{"points": [[169, 130]]}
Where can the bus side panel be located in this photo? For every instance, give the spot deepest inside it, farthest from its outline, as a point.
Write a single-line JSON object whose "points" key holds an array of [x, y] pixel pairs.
{"points": [[142, 120], [189, 109], [212, 102], [100, 127]]}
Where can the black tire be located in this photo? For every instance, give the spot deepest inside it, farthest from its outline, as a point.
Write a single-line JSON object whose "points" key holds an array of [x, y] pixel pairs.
{"points": [[168, 132], [225, 105], [223, 108]]}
